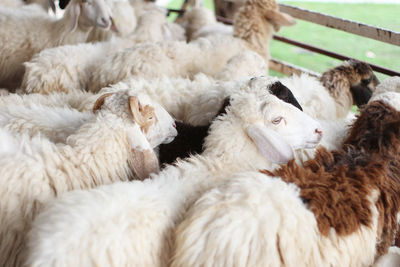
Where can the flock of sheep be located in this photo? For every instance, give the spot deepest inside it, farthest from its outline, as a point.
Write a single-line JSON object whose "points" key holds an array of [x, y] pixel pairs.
{"points": [[129, 140]]}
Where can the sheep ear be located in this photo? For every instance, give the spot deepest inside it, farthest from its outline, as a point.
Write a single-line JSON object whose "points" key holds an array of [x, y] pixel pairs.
{"points": [[279, 18], [135, 107], [75, 11], [141, 114], [270, 144], [100, 101], [144, 162]]}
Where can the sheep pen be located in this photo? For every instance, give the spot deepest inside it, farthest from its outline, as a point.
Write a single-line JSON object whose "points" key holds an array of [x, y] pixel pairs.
{"points": [[130, 138]]}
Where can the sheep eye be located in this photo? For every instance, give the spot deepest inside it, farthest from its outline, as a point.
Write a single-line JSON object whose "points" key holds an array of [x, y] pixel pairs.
{"points": [[366, 81], [277, 120]]}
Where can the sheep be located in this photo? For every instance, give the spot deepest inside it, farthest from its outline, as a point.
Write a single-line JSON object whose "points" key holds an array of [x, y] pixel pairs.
{"points": [[190, 138], [62, 69], [35, 31], [201, 22], [341, 209], [124, 21], [353, 74], [116, 144], [143, 214], [68, 68], [207, 55], [337, 90]]}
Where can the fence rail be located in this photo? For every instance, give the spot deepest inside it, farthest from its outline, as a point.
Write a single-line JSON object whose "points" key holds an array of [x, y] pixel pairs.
{"points": [[333, 54], [358, 28]]}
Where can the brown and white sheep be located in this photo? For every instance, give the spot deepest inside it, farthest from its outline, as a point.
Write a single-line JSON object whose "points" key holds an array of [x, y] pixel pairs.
{"points": [[341, 209]]}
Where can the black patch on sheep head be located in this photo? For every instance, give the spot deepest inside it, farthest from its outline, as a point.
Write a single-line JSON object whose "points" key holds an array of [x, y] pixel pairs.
{"points": [[63, 3], [284, 94]]}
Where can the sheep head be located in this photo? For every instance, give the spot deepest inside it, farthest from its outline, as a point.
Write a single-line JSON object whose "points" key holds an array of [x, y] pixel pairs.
{"points": [[274, 126], [352, 82], [147, 125], [256, 22], [270, 11], [362, 80], [89, 13]]}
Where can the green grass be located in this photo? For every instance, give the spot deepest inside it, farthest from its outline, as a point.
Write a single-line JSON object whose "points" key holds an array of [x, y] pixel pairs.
{"points": [[382, 15]]}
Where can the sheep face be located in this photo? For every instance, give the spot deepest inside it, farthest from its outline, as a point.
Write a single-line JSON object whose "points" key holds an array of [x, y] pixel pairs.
{"points": [[164, 131], [147, 125], [295, 127], [89, 13], [275, 127], [363, 81], [143, 114]]}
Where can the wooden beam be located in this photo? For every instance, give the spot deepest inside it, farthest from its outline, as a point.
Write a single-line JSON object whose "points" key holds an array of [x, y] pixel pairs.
{"points": [[358, 28], [328, 53], [289, 69]]}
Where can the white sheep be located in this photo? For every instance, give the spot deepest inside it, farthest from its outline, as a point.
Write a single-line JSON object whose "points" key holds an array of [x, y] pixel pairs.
{"points": [[131, 223], [201, 22], [24, 33], [68, 68], [207, 55], [116, 144], [124, 22], [64, 68]]}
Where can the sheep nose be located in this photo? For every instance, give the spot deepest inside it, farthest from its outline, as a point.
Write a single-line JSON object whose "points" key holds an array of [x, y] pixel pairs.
{"points": [[174, 125], [318, 131], [105, 22]]}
